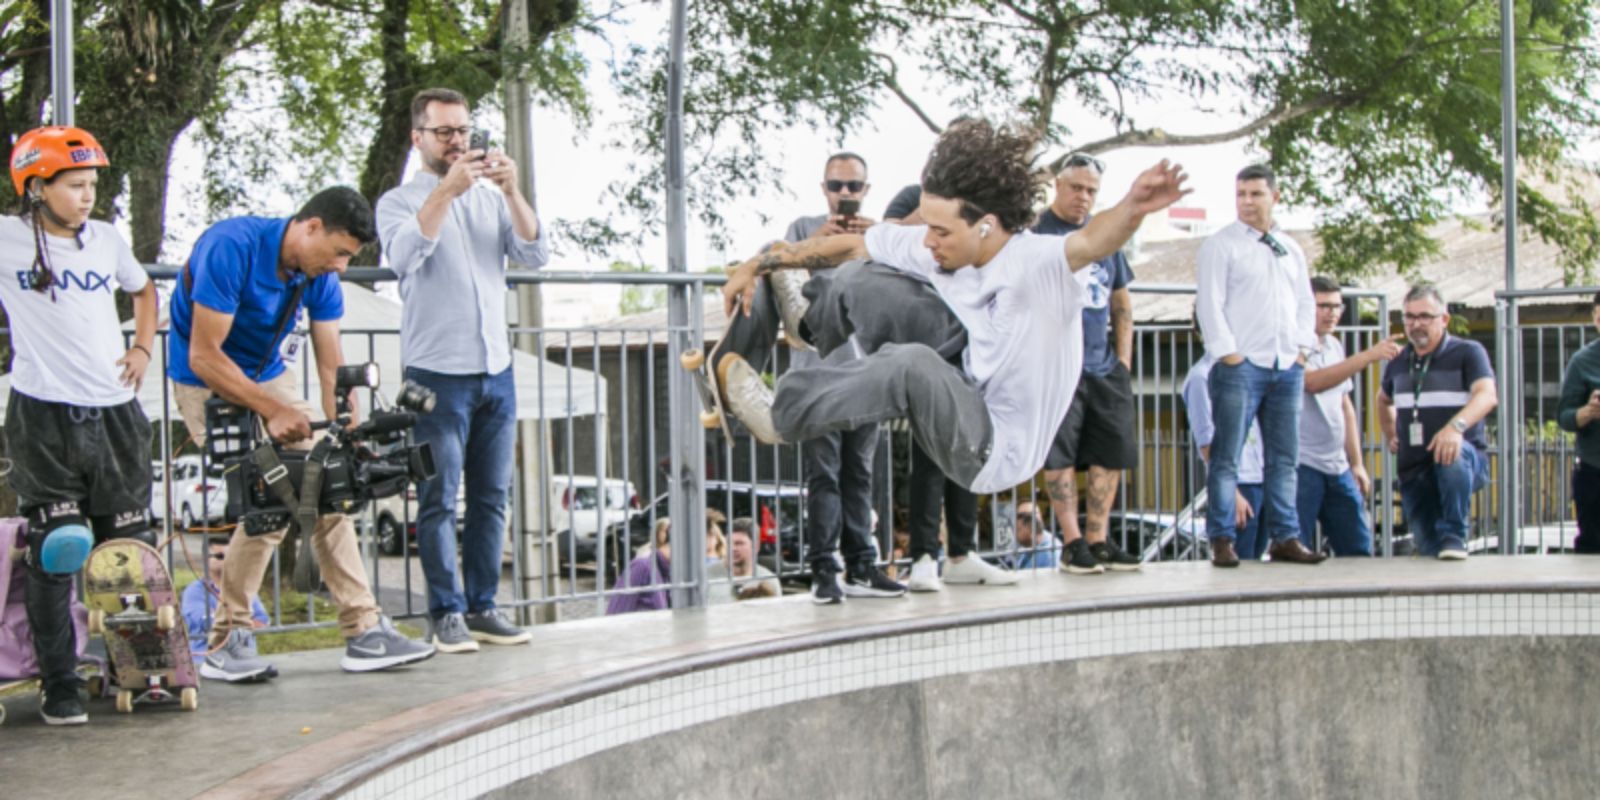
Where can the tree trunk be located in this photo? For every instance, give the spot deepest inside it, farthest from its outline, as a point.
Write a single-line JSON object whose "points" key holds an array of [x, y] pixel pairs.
{"points": [[147, 204]]}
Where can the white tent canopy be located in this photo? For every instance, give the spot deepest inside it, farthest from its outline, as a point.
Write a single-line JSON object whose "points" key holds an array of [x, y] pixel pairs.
{"points": [[371, 324]]}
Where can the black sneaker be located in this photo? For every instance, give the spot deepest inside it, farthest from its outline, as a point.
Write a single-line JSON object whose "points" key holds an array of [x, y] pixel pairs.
{"points": [[1079, 561], [825, 589], [59, 704], [871, 582], [1113, 557]]}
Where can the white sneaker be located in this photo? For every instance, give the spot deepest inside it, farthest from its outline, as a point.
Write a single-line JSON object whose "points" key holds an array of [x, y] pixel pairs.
{"points": [[973, 569], [1453, 554], [788, 285], [747, 397], [925, 575]]}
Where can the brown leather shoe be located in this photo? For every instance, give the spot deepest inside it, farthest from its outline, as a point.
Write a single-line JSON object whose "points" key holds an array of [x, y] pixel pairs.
{"points": [[1292, 551], [1222, 554]]}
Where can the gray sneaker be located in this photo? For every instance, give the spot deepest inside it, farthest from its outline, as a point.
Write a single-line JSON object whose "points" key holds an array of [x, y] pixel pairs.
{"points": [[382, 647], [747, 396], [788, 287], [236, 660], [449, 633], [493, 627]]}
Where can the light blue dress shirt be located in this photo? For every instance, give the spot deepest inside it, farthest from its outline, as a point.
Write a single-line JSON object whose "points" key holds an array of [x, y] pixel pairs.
{"points": [[454, 287]]}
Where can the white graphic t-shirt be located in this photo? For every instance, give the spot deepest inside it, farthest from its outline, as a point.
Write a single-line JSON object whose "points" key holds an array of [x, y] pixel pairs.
{"points": [[67, 339]]}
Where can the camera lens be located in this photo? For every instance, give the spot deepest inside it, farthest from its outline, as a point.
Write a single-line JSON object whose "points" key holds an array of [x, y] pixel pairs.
{"points": [[415, 397]]}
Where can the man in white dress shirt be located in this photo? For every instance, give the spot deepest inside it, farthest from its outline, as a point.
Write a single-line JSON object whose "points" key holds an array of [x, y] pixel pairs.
{"points": [[1258, 317]]}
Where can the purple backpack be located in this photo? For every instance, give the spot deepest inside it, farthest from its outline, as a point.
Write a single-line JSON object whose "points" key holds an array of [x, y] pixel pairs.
{"points": [[16, 638]]}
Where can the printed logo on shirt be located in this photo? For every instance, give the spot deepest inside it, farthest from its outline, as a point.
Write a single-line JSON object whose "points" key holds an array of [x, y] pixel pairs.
{"points": [[89, 281], [1096, 281]]}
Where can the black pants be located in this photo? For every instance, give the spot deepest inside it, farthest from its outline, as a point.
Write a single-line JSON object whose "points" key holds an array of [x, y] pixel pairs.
{"points": [[838, 470], [1586, 497], [98, 458]]}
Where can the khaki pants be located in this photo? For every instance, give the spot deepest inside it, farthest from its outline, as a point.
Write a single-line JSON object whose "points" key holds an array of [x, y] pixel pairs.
{"points": [[334, 542]]}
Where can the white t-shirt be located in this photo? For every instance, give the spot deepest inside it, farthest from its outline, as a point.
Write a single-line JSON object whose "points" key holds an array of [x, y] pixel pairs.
{"points": [[1023, 315], [1322, 417], [67, 346]]}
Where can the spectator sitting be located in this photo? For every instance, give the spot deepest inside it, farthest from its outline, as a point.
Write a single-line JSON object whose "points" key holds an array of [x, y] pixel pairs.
{"points": [[1036, 546], [749, 580], [200, 600], [652, 567], [716, 543]]}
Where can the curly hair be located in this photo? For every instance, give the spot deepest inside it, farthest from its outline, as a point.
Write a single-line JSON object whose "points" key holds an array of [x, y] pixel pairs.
{"points": [[988, 169]]}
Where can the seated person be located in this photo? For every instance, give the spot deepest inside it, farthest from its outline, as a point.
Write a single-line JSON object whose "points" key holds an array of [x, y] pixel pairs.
{"points": [[1036, 546], [749, 579], [199, 602], [652, 567]]}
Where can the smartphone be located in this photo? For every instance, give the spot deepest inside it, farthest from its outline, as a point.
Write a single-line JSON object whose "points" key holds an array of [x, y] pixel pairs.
{"points": [[849, 207], [479, 141]]}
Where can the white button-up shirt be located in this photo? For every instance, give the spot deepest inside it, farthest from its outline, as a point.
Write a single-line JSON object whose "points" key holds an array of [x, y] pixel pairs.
{"points": [[453, 286], [1253, 302]]}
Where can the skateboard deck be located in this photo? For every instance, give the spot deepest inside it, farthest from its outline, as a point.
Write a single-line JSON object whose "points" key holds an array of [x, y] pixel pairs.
{"points": [[703, 369], [133, 603]]}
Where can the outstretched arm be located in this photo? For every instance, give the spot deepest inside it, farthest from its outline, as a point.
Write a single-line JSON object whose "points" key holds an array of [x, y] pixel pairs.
{"points": [[1156, 188], [740, 290]]}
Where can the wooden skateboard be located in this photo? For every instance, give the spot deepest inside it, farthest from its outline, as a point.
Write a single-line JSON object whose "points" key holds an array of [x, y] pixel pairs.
{"points": [[133, 603], [704, 372]]}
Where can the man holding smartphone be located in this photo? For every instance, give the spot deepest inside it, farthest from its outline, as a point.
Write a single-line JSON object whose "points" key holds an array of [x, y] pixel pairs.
{"points": [[447, 233]]}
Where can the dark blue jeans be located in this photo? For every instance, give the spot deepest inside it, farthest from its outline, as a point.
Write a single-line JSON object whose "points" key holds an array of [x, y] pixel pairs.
{"points": [[1438, 500], [1250, 544], [472, 430], [1335, 501], [1239, 394]]}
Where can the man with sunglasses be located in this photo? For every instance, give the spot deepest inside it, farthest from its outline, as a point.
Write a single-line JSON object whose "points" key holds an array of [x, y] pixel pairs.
{"points": [[1332, 482], [448, 233], [1098, 431], [1253, 300], [1435, 396]]}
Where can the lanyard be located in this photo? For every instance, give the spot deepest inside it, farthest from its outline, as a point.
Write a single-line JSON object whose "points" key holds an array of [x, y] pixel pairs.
{"points": [[1417, 377]]}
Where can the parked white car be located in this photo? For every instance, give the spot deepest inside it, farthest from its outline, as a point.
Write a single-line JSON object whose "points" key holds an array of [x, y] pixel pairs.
{"points": [[394, 519], [186, 499], [575, 503]]}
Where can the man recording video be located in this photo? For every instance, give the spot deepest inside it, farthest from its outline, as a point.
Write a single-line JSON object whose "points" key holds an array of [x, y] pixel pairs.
{"points": [[235, 305]]}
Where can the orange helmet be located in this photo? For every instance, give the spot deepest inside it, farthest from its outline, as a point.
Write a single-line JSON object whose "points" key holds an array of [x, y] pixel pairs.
{"points": [[42, 152]]}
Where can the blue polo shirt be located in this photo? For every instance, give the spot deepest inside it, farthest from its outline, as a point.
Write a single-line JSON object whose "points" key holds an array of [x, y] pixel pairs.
{"points": [[235, 269], [1446, 387]]}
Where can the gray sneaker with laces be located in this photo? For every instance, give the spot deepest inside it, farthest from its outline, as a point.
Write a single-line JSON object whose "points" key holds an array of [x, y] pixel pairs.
{"points": [[493, 627], [788, 288], [747, 397], [382, 647], [236, 660], [449, 633]]}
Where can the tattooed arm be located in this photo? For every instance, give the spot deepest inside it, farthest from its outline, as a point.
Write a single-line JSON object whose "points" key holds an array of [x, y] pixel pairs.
{"points": [[740, 290]]}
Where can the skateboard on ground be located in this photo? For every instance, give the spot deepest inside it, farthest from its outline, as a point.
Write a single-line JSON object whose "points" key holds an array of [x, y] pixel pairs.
{"points": [[132, 602], [704, 371]]}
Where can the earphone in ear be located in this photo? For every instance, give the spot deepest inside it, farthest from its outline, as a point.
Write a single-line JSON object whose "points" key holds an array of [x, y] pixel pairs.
{"points": [[983, 231]]}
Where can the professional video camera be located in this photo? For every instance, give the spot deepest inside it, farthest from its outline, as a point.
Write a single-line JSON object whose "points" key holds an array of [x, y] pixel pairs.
{"points": [[271, 486]]}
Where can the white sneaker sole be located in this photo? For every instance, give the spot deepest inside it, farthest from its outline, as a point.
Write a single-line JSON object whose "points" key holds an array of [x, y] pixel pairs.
{"points": [[218, 674], [1123, 567], [351, 663], [1453, 555], [851, 590], [521, 637], [79, 719], [468, 646], [1071, 569], [826, 601], [925, 585]]}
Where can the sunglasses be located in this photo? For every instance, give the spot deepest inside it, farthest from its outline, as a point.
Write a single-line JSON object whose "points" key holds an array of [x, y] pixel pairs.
{"points": [[1277, 248], [1085, 160], [840, 186]]}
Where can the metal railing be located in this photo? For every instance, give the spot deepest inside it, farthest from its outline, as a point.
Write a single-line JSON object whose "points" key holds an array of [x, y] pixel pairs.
{"points": [[601, 419]]}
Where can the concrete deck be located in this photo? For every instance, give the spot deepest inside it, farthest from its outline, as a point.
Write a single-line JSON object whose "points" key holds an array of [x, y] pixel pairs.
{"points": [[279, 738]]}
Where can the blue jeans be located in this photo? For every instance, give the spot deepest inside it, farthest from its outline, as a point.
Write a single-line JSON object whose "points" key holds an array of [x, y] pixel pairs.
{"points": [[1336, 501], [1239, 394], [1438, 500], [472, 430]]}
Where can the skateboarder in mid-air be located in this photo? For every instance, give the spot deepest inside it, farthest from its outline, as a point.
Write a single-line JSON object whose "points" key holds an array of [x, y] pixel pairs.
{"points": [[989, 424], [79, 441]]}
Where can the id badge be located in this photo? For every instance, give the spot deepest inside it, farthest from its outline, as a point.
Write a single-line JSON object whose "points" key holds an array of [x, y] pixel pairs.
{"points": [[292, 345], [1416, 434]]}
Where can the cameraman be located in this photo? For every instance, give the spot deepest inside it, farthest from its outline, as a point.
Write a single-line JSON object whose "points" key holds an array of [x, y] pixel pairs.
{"points": [[236, 302], [447, 233]]}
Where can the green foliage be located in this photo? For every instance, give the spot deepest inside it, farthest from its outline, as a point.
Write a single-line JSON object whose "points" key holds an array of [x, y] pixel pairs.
{"points": [[638, 299]]}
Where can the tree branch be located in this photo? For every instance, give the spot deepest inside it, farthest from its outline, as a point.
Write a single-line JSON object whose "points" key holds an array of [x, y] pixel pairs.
{"points": [[1154, 137], [891, 81]]}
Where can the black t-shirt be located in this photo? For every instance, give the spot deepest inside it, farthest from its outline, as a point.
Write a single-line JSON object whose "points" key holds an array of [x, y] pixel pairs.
{"points": [[1446, 385], [905, 201]]}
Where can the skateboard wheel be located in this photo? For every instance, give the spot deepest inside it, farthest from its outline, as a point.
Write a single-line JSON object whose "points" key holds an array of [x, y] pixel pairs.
{"points": [[166, 618], [189, 698], [96, 686], [710, 419], [97, 621], [692, 359], [125, 701]]}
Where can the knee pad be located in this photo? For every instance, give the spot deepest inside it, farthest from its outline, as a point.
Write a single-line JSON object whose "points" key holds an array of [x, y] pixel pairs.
{"points": [[127, 525], [58, 540]]}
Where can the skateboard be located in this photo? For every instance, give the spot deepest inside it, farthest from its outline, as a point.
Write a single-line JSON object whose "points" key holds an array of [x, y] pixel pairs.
{"points": [[704, 372], [132, 602]]}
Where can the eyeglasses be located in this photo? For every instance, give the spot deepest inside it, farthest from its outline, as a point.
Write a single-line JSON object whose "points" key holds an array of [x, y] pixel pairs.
{"points": [[1330, 306], [1277, 248], [1085, 160], [1420, 317], [445, 133], [217, 556], [839, 186]]}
